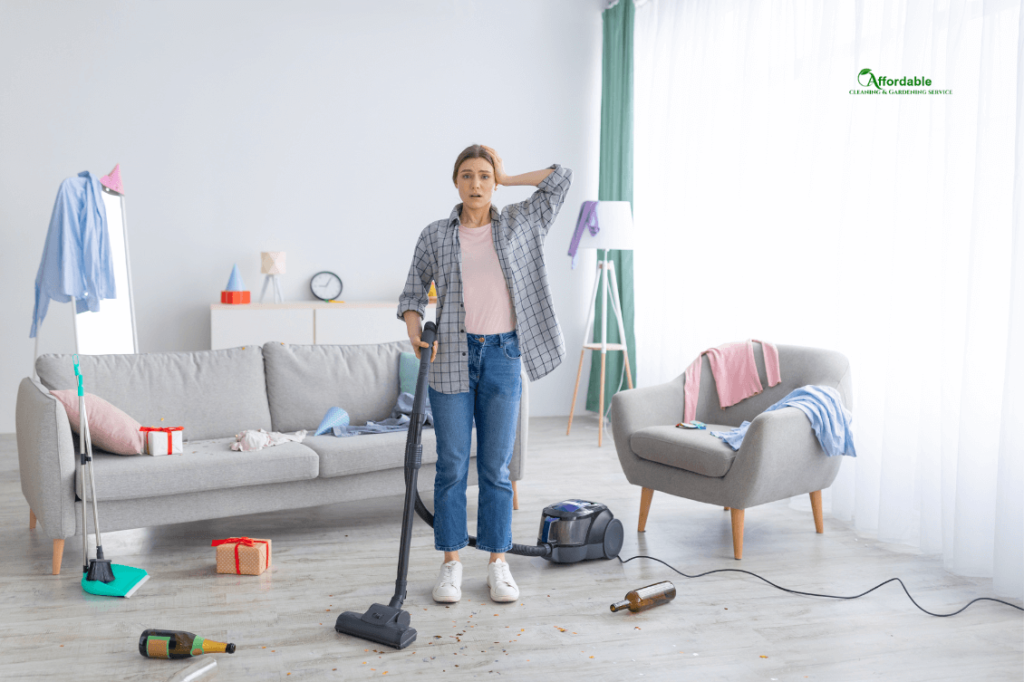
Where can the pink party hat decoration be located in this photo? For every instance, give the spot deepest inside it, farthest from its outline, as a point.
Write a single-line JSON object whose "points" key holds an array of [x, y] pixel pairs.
{"points": [[112, 180]]}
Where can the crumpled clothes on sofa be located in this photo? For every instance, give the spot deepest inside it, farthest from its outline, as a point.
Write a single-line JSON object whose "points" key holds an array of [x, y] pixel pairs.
{"points": [[398, 421], [257, 439]]}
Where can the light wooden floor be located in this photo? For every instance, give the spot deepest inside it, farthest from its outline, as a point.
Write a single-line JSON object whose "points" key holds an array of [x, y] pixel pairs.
{"points": [[342, 557]]}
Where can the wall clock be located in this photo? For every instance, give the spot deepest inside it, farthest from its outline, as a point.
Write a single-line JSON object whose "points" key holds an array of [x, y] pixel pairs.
{"points": [[326, 286]]}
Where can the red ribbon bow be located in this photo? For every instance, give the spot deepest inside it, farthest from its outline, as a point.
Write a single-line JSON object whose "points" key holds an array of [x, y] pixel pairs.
{"points": [[238, 542], [164, 429]]}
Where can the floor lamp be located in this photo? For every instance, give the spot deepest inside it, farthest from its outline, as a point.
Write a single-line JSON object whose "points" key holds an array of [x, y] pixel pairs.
{"points": [[615, 219]]}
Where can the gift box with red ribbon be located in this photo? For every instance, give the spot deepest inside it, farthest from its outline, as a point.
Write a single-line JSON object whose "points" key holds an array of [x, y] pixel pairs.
{"points": [[163, 440], [242, 556]]}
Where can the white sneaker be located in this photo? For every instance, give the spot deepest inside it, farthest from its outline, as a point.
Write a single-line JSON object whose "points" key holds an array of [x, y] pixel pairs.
{"points": [[499, 579], [448, 588]]}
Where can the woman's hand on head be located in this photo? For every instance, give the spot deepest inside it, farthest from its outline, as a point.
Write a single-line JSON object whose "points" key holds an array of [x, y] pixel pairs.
{"points": [[499, 167]]}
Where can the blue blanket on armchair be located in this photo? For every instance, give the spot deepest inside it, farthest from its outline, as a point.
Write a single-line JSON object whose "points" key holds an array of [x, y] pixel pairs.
{"points": [[823, 407]]}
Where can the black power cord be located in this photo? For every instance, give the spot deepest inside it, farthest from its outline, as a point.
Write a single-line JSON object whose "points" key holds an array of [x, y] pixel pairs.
{"points": [[828, 596]]}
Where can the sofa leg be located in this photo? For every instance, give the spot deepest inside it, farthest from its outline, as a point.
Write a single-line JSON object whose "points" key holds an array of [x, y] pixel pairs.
{"points": [[572, 408], [819, 520], [645, 506], [737, 533], [725, 509], [58, 555], [515, 495], [31, 520]]}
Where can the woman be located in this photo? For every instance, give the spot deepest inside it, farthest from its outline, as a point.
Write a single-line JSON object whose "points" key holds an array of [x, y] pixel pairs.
{"points": [[494, 315]]}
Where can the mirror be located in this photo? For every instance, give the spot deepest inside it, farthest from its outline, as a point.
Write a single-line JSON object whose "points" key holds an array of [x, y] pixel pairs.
{"points": [[112, 328]]}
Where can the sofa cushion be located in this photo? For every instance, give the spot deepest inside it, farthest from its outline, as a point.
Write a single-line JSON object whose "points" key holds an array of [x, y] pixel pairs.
{"points": [[204, 465], [694, 450], [212, 393], [303, 382], [372, 452], [109, 428]]}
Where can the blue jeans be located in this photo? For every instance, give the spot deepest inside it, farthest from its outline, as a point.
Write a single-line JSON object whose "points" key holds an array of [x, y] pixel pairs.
{"points": [[495, 386]]}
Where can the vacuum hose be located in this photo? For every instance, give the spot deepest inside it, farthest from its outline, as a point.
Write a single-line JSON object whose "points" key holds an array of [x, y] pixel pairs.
{"points": [[418, 418]]}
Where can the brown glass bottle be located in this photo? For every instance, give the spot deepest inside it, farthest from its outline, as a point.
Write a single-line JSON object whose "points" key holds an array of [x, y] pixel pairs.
{"points": [[647, 597], [179, 644]]}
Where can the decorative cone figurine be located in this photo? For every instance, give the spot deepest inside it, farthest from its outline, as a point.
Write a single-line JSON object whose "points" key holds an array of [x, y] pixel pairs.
{"points": [[236, 291], [112, 180]]}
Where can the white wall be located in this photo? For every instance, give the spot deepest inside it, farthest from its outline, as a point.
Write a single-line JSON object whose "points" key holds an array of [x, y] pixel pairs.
{"points": [[324, 129]]}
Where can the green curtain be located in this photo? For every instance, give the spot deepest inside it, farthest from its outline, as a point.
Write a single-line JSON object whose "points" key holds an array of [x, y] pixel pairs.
{"points": [[616, 184]]}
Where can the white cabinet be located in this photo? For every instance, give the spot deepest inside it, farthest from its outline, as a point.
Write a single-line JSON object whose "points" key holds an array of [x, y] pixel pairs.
{"points": [[306, 323]]}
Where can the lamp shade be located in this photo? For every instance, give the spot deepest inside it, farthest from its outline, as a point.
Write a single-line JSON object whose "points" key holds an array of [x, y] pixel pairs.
{"points": [[272, 262], [615, 219]]}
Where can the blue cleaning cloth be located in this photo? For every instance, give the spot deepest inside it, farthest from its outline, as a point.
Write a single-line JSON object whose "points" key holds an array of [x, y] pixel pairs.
{"points": [[76, 262], [823, 407]]}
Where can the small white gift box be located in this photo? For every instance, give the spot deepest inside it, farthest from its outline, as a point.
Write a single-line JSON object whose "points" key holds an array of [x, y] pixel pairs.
{"points": [[165, 440]]}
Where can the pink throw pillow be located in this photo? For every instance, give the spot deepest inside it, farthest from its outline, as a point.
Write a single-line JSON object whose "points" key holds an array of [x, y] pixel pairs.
{"points": [[111, 429]]}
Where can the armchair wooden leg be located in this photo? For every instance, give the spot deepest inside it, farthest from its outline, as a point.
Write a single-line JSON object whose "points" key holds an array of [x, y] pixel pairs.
{"points": [[31, 520], [58, 555], [576, 390], [737, 533], [515, 495], [819, 519], [645, 506]]}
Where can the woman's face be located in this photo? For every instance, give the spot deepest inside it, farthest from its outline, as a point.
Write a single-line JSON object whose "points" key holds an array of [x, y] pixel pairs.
{"points": [[476, 183]]}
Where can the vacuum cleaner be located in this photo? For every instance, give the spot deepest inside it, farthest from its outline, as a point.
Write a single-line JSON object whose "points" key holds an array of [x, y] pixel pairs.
{"points": [[570, 531]]}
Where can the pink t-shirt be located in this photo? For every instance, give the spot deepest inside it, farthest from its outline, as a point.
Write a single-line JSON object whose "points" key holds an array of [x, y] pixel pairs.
{"points": [[484, 291]]}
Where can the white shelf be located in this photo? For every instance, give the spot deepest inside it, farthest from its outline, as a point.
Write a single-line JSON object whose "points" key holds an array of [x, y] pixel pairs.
{"points": [[307, 322]]}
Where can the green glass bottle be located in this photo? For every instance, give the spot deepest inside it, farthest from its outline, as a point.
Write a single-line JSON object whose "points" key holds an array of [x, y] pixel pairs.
{"points": [[179, 644], [647, 597]]}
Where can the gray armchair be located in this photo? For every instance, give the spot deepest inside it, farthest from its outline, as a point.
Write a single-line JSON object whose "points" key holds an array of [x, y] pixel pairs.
{"points": [[780, 456]]}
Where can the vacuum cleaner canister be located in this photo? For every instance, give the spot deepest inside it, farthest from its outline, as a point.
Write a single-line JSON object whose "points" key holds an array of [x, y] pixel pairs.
{"points": [[578, 530]]}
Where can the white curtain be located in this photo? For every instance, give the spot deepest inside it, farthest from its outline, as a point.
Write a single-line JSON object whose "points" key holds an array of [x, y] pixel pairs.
{"points": [[772, 203]]}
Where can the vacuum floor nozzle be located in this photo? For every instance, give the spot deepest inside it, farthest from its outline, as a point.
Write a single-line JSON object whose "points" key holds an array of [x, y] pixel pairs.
{"points": [[382, 624]]}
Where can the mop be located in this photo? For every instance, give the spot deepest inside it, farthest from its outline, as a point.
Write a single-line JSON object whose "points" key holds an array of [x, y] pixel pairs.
{"points": [[99, 577]]}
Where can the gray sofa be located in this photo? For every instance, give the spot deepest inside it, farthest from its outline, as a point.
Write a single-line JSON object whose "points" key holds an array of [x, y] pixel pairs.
{"points": [[214, 395], [780, 456]]}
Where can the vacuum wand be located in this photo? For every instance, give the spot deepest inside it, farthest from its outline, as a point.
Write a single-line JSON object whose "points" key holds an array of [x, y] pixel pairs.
{"points": [[390, 624], [413, 462]]}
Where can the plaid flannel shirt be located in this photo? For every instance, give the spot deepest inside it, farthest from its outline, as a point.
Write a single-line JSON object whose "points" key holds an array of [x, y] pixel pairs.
{"points": [[518, 231]]}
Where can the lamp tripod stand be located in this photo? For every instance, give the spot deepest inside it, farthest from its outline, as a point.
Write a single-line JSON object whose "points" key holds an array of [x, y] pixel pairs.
{"points": [[267, 280], [604, 276]]}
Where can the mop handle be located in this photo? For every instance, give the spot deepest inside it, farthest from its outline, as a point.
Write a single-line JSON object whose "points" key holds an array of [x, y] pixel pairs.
{"points": [[81, 469], [92, 477]]}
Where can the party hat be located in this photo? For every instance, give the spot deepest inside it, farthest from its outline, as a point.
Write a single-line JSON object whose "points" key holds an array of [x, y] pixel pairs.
{"points": [[334, 417], [112, 180]]}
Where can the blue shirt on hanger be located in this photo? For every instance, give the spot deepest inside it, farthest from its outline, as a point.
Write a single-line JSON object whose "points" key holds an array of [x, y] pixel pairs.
{"points": [[76, 261]]}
